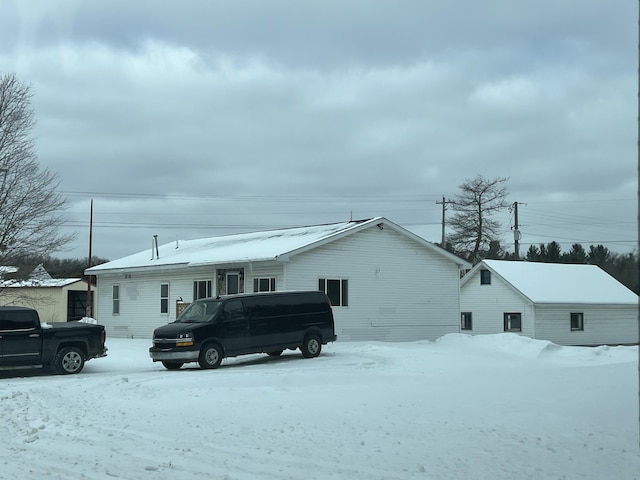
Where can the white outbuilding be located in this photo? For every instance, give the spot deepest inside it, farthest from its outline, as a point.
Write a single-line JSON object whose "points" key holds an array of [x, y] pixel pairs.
{"points": [[566, 304], [384, 282]]}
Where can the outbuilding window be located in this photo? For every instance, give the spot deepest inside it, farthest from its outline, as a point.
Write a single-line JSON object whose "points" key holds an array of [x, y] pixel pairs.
{"points": [[336, 289], [485, 277], [465, 322], [512, 322], [577, 321]]}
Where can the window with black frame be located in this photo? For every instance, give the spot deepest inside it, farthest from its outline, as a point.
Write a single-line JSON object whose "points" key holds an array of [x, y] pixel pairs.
{"points": [[336, 289], [116, 299], [267, 284], [465, 321], [512, 322], [577, 321], [164, 298]]}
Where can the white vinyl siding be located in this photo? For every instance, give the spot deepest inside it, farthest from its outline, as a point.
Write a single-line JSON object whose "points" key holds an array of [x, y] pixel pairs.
{"points": [[381, 306], [270, 270], [603, 324], [139, 296], [489, 303]]}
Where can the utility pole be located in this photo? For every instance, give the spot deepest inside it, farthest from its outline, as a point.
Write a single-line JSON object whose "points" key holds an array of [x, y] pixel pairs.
{"points": [[89, 303], [516, 233], [444, 208]]}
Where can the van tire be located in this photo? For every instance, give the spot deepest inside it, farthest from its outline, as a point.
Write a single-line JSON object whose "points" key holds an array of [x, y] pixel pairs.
{"points": [[69, 360], [311, 346], [210, 356], [172, 365], [277, 353]]}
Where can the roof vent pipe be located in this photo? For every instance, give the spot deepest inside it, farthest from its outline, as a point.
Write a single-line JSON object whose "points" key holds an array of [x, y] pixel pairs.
{"points": [[155, 239]]}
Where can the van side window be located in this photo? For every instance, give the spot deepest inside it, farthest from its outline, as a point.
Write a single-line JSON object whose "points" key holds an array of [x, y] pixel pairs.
{"points": [[233, 310]]}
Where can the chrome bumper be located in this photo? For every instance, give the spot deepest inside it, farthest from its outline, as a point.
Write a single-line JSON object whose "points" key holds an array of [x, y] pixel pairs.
{"points": [[185, 356]]}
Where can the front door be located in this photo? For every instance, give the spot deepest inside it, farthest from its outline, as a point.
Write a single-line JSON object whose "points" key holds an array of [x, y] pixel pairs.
{"points": [[233, 283], [20, 338]]}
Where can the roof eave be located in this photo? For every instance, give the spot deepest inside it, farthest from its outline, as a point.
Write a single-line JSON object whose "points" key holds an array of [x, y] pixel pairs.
{"points": [[135, 269]]}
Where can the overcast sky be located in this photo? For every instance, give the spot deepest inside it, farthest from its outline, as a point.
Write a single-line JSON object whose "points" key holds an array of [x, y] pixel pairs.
{"points": [[199, 118]]}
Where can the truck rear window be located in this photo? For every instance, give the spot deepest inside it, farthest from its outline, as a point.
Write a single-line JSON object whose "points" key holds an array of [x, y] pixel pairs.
{"points": [[18, 320]]}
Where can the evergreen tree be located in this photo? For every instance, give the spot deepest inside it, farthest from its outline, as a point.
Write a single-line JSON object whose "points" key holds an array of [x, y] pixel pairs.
{"points": [[598, 255], [533, 254], [577, 254], [495, 251], [553, 252]]}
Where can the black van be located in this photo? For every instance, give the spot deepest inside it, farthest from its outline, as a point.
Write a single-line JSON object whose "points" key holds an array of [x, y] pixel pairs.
{"points": [[211, 329]]}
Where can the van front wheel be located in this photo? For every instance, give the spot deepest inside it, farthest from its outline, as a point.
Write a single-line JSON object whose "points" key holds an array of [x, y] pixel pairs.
{"points": [[172, 365], [210, 356], [311, 347]]}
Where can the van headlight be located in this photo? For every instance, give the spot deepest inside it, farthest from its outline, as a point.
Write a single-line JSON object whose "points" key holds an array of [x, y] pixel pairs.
{"points": [[184, 340]]}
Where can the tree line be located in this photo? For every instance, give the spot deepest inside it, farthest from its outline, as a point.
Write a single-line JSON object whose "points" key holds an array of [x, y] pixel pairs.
{"points": [[624, 267]]}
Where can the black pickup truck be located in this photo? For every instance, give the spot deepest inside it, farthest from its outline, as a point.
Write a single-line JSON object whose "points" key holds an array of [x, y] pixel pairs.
{"points": [[64, 347]]}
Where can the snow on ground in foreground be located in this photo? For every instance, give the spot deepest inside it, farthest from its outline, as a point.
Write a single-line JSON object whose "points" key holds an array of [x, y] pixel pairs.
{"points": [[486, 407]]}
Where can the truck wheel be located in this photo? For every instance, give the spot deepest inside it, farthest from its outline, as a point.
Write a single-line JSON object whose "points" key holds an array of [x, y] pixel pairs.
{"points": [[69, 360], [210, 356], [311, 346], [172, 365]]}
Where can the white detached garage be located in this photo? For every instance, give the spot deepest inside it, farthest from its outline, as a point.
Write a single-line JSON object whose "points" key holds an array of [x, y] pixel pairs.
{"points": [[566, 304], [384, 282]]}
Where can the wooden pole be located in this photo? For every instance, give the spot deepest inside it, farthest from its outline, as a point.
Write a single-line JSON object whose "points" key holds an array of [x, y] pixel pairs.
{"points": [[89, 311]]}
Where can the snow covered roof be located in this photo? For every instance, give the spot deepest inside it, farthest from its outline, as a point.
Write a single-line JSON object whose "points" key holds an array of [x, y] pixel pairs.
{"points": [[560, 283], [252, 247], [34, 282]]}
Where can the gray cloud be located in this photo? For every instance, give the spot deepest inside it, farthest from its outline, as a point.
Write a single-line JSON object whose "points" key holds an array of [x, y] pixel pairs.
{"points": [[214, 117]]}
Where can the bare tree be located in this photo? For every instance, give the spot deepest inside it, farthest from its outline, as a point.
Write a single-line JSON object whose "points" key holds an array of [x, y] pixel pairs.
{"points": [[30, 207], [472, 223]]}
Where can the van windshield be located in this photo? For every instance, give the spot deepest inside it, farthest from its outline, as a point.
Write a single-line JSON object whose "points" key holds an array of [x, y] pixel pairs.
{"points": [[201, 311]]}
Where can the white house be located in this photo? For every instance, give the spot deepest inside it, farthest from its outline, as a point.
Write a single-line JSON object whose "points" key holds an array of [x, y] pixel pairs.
{"points": [[566, 304], [384, 282]]}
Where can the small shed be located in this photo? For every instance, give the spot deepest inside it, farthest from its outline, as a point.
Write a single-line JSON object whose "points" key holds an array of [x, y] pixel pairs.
{"points": [[55, 299], [567, 304], [384, 282]]}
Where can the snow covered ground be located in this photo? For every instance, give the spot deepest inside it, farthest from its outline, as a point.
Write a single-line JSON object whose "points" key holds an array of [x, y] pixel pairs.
{"points": [[488, 407]]}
